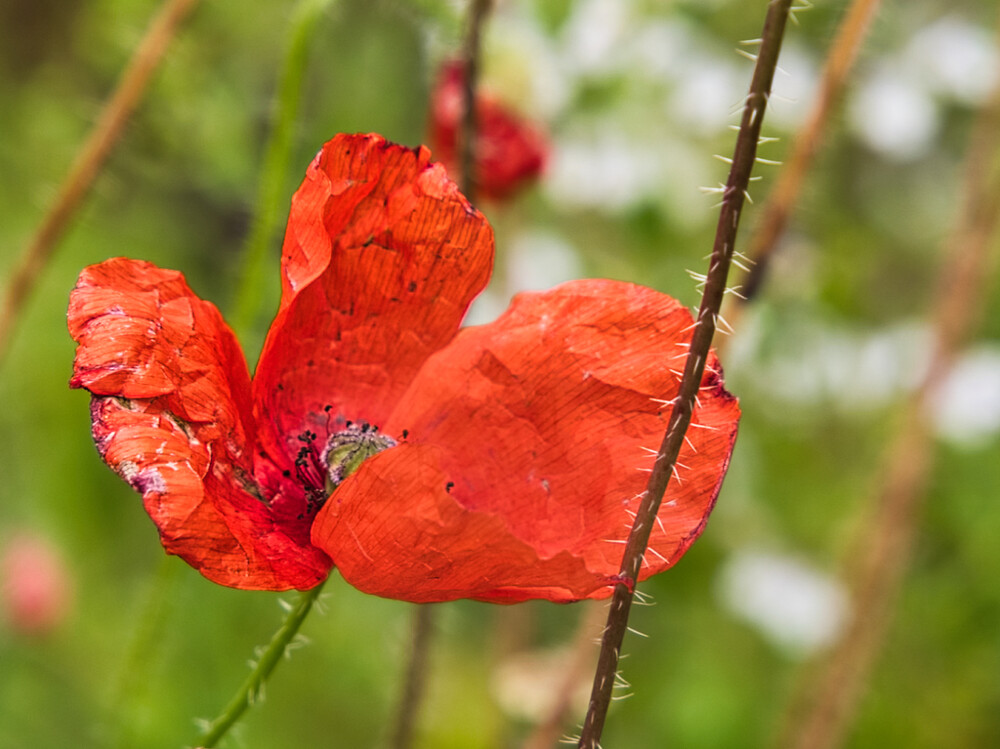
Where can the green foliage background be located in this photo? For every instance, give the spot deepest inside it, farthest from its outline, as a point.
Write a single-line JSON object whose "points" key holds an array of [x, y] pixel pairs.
{"points": [[863, 259]]}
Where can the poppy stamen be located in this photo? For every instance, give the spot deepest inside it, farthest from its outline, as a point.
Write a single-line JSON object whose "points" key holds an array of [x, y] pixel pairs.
{"points": [[346, 450], [310, 471]]}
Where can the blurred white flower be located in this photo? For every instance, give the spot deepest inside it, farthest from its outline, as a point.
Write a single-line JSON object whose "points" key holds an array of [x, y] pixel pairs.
{"points": [[894, 114], [966, 409], [486, 307], [595, 36], [794, 88], [522, 65], [540, 260], [795, 606], [708, 92], [527, 685], [606, 169], [661, 47], [820, 363], [956, 59], [534, 261]]}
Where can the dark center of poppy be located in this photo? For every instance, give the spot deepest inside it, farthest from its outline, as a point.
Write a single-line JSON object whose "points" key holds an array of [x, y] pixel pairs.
{"points": [[321, 471]]}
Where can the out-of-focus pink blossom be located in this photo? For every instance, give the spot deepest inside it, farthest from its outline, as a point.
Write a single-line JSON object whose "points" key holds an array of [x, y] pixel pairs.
{"points": [[35, 586]]}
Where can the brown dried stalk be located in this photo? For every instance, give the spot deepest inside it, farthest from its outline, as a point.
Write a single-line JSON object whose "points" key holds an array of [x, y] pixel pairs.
{"points": [[701, 341], [89, 161], [415, 678], [550, 729], [785, 194], [470, 78], [825, 706]]}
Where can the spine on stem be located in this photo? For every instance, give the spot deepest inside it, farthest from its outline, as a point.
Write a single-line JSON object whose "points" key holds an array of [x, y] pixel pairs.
{"points": [[733, 199]]}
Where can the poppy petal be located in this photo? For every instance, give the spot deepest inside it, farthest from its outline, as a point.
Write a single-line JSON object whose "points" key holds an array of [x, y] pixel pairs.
{"points": [[382, 257], [400, 534], [529, 445], [171, 414]]}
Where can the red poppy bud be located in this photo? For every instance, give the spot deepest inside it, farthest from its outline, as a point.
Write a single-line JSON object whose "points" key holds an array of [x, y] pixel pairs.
{"points": [[510, 152], [35, 586]]}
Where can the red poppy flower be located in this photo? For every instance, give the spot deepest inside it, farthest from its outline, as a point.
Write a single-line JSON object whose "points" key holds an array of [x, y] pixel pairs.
{"points": [[510, 152], [498, 462]]}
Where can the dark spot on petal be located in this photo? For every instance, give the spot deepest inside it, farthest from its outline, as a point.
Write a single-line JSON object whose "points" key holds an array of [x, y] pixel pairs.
{"points": [[406, 433], [412, 286], [449, 486], [286, 473]]}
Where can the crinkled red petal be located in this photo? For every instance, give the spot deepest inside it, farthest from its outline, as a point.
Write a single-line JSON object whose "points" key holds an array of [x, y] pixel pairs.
{"points": [[529, 446], [510, 151], [171, 414], [399, 533], [381, 259]]}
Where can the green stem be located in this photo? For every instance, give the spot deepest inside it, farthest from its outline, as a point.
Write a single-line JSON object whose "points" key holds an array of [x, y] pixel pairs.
{"points": [[251, 688], [271, 201], [132, 689]]}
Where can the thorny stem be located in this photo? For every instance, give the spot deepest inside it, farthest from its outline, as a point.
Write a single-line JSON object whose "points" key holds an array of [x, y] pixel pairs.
{"points": [[783, 197], [550, 728], [680, 416], [416, 677], [467, 143], [423, 617], [271, 199], [89, 161], [251, 689], [827, 701]]}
